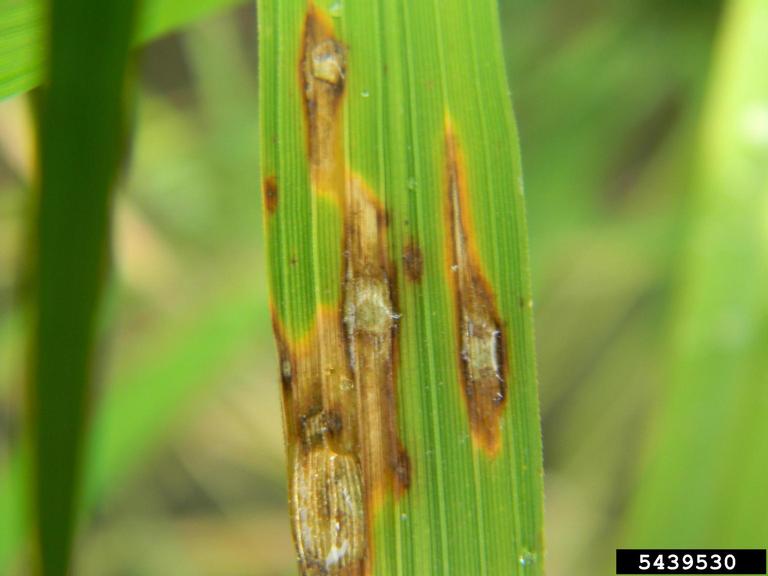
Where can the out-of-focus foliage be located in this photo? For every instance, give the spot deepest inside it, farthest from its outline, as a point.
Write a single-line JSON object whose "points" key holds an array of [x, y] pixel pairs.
{"points": [[608, 97], [708, 460], [81, 119], [187, 311], [22, 25]]}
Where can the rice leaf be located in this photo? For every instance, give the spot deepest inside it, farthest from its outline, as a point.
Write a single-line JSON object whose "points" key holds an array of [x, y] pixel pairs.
{"points": [[396, 236]]}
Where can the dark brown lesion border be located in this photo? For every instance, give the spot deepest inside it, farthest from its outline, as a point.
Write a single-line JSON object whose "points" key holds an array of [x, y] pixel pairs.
{"points": [[482, 353]]}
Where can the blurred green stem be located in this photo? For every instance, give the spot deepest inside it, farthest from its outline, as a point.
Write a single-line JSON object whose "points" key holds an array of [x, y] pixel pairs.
{"points": [[81, 128]]}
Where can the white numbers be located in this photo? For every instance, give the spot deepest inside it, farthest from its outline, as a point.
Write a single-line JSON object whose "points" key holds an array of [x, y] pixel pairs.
{"points": [[687, 562], [716, 562], [701, 562], [645, 563], [673, 563], [679, 562]]}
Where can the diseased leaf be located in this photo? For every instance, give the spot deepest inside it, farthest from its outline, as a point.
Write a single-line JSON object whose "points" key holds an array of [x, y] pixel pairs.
{"points": [[396, 236]]}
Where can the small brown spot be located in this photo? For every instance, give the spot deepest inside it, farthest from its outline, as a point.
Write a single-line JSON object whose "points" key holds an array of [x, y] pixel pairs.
{"points": [[321, 426], [482, 353], [284, 355], [402, 470], [286, 372], [270, 194], [286, 369], [333, 422], [314, 429], [413, 261]]}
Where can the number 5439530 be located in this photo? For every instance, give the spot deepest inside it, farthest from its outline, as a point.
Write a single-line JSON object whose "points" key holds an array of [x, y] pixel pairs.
{"points": [[687, 562]]}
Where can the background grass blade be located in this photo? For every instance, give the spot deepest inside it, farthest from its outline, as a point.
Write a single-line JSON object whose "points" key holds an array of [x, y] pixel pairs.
{"points": [[22, 26], [162, 381], [21, 49], [81, 129], [163, 375], [161, 16], [707, 462], [425, 126], [174, 368]]}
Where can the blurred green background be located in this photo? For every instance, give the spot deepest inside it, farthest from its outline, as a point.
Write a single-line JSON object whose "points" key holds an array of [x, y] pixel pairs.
{"points": [[613, 100]]}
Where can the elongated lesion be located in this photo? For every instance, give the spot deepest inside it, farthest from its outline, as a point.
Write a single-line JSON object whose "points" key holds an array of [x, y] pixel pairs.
{"points": [[339, 397], [370, 319], [482, 353], [322, 74]]}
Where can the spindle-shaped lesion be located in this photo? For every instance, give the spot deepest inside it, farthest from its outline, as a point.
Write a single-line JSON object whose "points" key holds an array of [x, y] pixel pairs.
{"points": [[481, 335]]}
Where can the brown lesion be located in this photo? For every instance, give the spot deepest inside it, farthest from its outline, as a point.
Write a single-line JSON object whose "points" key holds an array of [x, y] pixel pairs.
{"points": [[269, 189], [370, 319], [339, 397], [413, 261], [326, 480], [326, 500], [322, 75], [341, 405], [285, 357], [402, 471], [481, 334]]}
